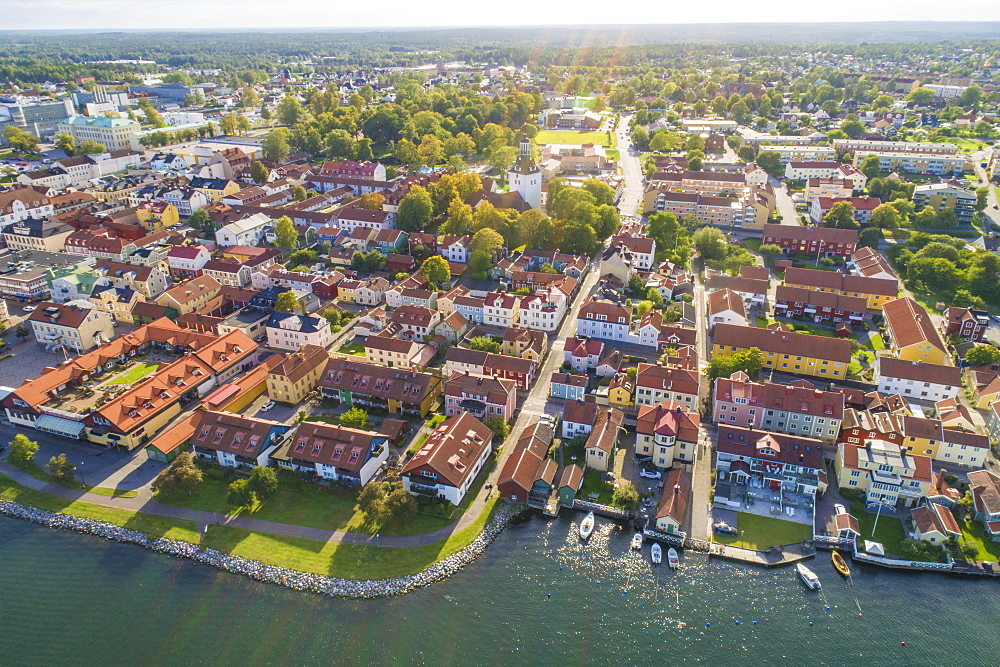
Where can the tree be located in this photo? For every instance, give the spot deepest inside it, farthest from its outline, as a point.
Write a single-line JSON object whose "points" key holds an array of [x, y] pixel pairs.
{"points": [[921, 96], [386, 124], [414, 213], [21, 331], [870, 166], [181, 475], [275, 146], [982, 195], [61, 469], [983, 355], [746, 153], [459, 218], [885, 216], [198, 219], [696, 160], [870, 237], [22, 450], [90, 147], [355, 418], [663, 228], [853, 128], [485, 344], [285, 236], [249, 97], [371, 201], [259, 173], [841, 216], [287, 302], [19, 140], [654, 297], [436, 270], [770, 161], [263, 482], [579, 238], [400, 504], [299, 193], [926, 218], [770, 250], [368, 262], [372, 502], [625, 495], [486, 240], [500, 428], [710, 242], [749, 361], [290, 111], [241, 494], [479, 263], [601, 191], [65, 143]]}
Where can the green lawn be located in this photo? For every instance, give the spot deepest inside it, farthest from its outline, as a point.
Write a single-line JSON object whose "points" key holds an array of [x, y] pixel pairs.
{"points": [[614, 154], [42, 474], [972, 533], [176, 529], [752, 244], [875, 341], [134, 374], [763, 322], [889, 531], [341, 560], [573, 137], [803, 327], [354, 348], [298, 503], [592, 483], [763, 532]]}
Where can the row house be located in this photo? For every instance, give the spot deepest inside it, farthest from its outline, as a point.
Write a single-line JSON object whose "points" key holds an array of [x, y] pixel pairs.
{"points": [[414, 322], [819, 306], [911, 332], [543, 311], [149, 281], [720, 183], [916, 163], [461, 360], [501, 309], [227, 272], [855, 145], [391, 352], [800, 153], [348, 456], [787, 352], [862, 207], [870, 263], [816, 241], [234, 441], [797, 408], [369, 386], [350, 218], [482, 396], [773, 461], [833, 171], [876, 291], [752, 290], [369, 292], [916, 379], [604, 320], [292, 378], [656, 384], [568, 387]]}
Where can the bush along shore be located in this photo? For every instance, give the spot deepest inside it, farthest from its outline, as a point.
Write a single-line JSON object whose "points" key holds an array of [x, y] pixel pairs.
{"points": [[272, 574]]}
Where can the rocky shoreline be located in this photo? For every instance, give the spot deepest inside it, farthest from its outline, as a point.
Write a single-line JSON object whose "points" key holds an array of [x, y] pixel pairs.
{"points": [[272, 574]]}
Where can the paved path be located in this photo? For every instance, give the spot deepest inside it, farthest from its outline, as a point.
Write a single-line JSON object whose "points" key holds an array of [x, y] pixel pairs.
{"points": [[144, 503]]}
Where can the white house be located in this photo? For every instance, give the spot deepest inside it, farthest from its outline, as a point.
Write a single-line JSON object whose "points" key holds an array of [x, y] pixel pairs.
{"points": [[604, 320], [915, 379], [249, 231], [287, 331]]}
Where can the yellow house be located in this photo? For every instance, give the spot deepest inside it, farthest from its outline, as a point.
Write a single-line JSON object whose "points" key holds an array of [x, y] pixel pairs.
{"points": [[875, 291], [297, 374], [787, 352], [351, 382], [912, 334], [156, 215], [116, 301], [884, 471], [929, 437], [214, 188], [524, 343], [191, 295], [621, 391], [347, 290], [391, 352], [603, 440], [985, 386]]}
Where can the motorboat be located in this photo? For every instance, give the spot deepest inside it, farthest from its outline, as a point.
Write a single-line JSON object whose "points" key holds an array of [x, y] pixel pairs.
{"points": [[656, 553], [587, 526], [840, 563], [637, 541], [808, 577], [672, 560]]}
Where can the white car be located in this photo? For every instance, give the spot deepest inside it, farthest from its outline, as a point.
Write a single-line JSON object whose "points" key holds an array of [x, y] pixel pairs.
{"points": [[267, 406], [839, 509], [650, 474], [28, 309]]}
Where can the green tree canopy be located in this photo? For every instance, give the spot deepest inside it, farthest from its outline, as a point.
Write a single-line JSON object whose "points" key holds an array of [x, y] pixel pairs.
{"points": [[436, 270]]}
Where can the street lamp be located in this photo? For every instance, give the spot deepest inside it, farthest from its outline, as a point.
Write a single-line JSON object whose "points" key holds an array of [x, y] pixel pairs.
{"points": [[80, 470]]}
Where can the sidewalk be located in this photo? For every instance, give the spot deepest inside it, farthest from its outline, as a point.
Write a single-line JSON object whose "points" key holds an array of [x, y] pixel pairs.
{"points": [[144, 503]]}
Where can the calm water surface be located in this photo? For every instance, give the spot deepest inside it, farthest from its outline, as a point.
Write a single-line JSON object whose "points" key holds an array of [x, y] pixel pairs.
{"points": [[72, 599]]}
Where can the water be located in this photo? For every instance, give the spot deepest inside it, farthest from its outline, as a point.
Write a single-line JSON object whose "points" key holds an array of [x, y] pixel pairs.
{"points": [[74, 599]]}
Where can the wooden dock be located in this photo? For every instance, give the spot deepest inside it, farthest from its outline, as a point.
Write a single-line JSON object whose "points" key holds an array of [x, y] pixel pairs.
{"points": [[774, 557]]}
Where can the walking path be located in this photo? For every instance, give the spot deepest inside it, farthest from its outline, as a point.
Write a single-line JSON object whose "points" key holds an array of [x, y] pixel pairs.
{"points": [[145, 503]]}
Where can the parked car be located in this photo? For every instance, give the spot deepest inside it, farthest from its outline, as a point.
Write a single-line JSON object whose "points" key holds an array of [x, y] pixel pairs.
{"points": [[28, 309], [725, 528], [839, 509], [650, 474], [267, 406]]}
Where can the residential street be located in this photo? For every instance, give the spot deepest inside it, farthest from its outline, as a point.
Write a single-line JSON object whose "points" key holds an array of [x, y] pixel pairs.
{"points": [[785, 205]]}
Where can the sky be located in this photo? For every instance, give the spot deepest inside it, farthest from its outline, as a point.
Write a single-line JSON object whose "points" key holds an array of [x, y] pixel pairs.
{"points": [[187, 14]]}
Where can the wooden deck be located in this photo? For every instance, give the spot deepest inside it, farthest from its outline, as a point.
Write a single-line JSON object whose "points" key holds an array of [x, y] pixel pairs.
{"points": [[778, 557]]}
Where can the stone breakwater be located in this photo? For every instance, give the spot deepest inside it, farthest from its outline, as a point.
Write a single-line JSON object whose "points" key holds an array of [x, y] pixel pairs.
{"points": [[272, 574]]}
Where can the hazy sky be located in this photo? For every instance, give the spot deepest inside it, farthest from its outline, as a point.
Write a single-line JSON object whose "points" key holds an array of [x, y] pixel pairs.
{"points": [[151, 14]]}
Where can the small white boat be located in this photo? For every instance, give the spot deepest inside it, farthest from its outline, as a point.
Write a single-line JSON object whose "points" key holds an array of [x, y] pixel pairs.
{"points": [[637, 541], [808, 577], [657, 553], [672, 560], [587, 526]]}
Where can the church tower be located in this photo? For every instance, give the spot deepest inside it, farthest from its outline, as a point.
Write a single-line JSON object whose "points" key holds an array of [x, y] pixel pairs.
{"points": [[525, 177]]}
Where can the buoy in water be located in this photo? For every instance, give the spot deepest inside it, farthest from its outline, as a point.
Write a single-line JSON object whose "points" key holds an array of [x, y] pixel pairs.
{"points": [[755, 622], [737, 622], [828, 607], [902, 643], [548, 595], [810, 622], [860, 614], [707, 625]]}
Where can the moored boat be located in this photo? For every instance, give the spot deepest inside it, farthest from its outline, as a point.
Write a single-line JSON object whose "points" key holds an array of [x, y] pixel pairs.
{"points": [[637, 541], [656, 553], [672, 560], [587, 526], [808, 577], [840, 563]]}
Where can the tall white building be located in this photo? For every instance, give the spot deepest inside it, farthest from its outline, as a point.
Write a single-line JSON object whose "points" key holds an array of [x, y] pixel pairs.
{"points": [[525, 177]]}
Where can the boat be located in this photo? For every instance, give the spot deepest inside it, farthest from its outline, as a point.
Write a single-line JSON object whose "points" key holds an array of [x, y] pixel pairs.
{"points": [[657, 553], [587, 526], [672, 560], [808, 577], [840, 563], [637, 541]]}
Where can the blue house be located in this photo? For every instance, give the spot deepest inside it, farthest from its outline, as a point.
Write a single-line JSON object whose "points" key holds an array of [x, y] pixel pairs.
{"points": [[569, 387]]}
